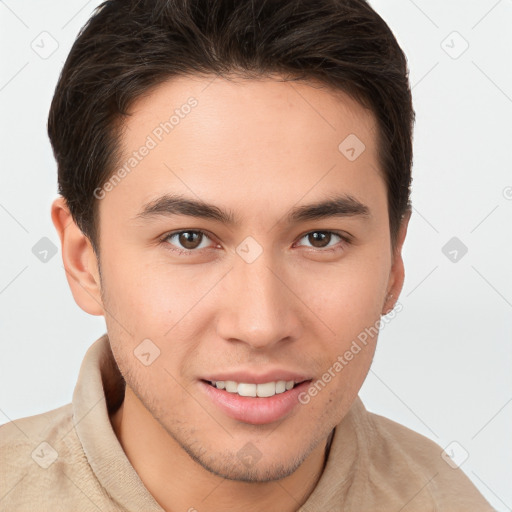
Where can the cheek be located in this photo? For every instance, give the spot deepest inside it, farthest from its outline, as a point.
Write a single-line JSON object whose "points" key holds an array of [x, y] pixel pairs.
{"points": [[147, 294], [348, 300], [157, 301], [348, 296]]}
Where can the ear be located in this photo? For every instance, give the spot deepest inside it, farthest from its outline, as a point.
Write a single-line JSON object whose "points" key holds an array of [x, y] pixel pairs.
{"points": [[397, 273], [79, 260]]}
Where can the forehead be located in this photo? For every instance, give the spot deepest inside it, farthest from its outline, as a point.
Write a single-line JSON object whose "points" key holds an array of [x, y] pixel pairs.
{"points": [[226, 98], [264, 140]]}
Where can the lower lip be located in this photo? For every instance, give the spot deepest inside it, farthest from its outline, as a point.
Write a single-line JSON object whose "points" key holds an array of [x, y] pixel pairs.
{"points": [[255, 410]]}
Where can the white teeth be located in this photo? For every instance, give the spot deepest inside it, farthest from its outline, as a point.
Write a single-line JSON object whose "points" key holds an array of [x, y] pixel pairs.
{"points": [[281, 386], [246, 389], [266, 389], [231, 386]]}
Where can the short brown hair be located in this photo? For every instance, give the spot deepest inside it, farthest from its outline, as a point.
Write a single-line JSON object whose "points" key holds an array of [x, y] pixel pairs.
{"points": [[130, 46]]}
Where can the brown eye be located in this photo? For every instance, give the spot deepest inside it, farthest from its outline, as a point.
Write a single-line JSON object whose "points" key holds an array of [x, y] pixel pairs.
{"points": [[321, 239], [187, 241]]}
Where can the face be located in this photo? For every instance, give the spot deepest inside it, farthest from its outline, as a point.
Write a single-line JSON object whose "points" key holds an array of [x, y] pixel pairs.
{"points": [[268, 296]]}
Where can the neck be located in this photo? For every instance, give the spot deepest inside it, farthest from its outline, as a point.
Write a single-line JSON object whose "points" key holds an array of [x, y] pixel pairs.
{"points": [[177, 482]]}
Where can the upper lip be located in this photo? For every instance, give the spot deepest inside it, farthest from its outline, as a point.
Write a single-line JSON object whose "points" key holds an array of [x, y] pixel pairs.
{"points": [[257, 378]]}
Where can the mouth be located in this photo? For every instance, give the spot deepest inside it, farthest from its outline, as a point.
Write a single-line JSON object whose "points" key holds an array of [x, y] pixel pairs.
{"points": [[246, 403], [263, 390]]}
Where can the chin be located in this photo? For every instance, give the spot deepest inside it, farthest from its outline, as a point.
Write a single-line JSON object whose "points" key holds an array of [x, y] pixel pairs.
{"points": [[247, 470]]}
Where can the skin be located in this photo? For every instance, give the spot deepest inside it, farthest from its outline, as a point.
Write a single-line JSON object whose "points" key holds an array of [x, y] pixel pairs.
{"points": [[258, 148]]}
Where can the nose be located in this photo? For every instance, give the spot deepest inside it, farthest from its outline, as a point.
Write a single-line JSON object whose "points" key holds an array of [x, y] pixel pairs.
{"points": [[259, 306]]}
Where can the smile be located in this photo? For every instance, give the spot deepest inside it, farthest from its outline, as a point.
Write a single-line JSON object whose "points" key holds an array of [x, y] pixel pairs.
{"points": [[241, 401], [263, 390]]}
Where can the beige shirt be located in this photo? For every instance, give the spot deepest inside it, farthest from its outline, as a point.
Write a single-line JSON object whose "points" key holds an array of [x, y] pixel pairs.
{"points": [[69, 459]]}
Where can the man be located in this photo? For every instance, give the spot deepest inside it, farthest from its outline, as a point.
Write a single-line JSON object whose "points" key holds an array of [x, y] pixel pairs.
{"points": [[234, 181]]}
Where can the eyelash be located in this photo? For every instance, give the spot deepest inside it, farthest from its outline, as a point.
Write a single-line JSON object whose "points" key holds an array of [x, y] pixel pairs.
{"points": [[188, 252]]}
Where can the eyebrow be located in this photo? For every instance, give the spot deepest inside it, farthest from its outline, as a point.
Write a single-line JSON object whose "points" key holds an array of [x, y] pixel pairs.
{"points": [[169, 205]]}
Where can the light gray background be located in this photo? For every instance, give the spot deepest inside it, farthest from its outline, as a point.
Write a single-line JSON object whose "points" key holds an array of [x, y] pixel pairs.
{"points": [[443, 365]]}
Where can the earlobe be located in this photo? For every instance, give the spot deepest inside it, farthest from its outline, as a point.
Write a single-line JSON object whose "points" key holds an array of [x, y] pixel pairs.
{"points": [[79, 260]]}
